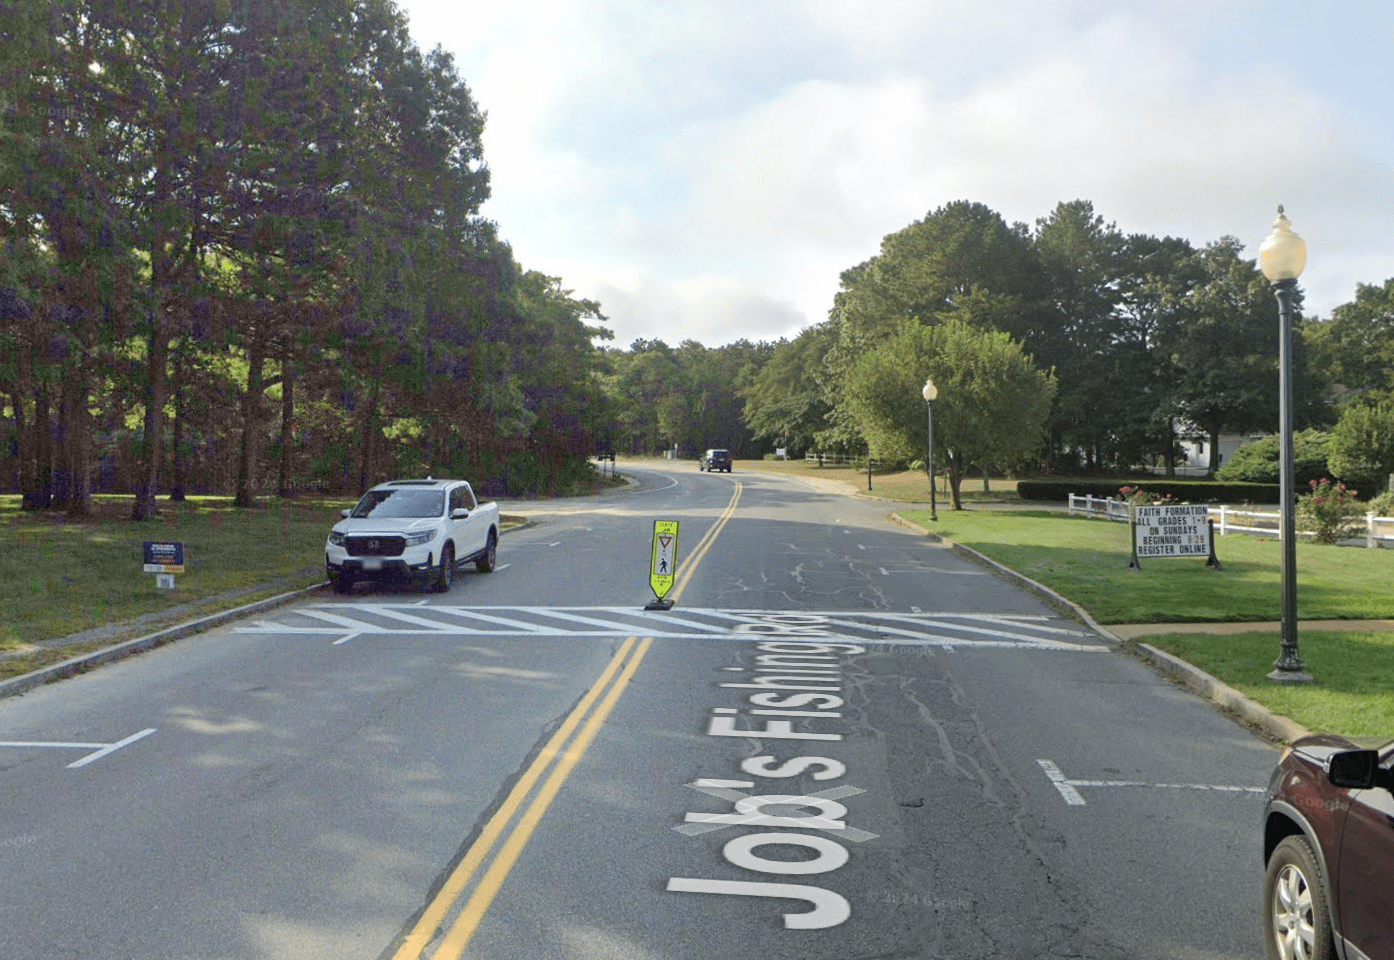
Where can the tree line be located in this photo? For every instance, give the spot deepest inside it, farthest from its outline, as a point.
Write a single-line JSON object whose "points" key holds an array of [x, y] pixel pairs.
{"points": [[242, 250], [1095, 352], [1065, 347]]}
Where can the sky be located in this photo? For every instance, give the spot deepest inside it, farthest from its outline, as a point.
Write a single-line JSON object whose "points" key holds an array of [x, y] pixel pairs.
{"points": [[706, 169]]}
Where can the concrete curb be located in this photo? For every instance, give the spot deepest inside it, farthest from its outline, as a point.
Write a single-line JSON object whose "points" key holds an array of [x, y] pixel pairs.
{"points": [[1273, 726], [129, 648], [71, 668]]}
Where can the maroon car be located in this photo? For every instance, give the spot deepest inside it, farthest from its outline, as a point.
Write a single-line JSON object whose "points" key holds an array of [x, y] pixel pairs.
{"points": [[1328, 842]]}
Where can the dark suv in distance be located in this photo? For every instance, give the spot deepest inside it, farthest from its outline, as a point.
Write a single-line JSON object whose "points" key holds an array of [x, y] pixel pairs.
{"points": [[1328, 845], [715, 460]]}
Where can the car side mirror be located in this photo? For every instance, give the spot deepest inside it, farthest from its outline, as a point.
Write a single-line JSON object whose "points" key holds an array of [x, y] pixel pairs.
{"points": [[1354, 769], [345, 513], [459, 513]]}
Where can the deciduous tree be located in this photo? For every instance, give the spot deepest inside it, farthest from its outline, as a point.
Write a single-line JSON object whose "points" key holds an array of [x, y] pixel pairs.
{"points": [[1362, 446], [1355, 349], [992, 407], [785, 402]]}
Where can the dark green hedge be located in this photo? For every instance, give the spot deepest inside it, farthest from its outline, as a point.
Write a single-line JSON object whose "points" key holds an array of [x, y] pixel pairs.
{"points": [[1194, 491]]}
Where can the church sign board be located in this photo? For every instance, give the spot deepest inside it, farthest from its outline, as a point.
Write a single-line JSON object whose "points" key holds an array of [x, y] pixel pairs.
{"points": [[1173, 530]]}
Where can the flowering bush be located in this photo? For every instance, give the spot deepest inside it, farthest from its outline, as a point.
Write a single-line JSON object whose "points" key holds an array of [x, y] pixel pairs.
{"points": [[1330, 513], [1383, 505], [1139, 497]]}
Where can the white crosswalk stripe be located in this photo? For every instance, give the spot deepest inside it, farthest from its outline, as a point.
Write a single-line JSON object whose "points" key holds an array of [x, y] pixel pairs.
{"points": [[346, 621]]}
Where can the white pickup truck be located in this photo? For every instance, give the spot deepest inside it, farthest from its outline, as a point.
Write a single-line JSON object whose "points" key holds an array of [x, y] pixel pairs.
{"points": [[415, 530]]}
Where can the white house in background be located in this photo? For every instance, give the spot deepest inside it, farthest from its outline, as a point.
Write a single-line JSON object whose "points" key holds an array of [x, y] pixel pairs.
{"points": [[1196, 460]]}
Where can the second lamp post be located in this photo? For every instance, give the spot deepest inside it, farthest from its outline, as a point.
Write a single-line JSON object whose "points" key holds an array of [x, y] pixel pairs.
{"points": [[929, 392], [1281, 257]]}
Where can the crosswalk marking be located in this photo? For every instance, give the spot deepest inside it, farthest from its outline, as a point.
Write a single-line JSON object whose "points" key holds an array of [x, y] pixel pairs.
{"points": [[510, 622], [321, 615], [946, 630]]}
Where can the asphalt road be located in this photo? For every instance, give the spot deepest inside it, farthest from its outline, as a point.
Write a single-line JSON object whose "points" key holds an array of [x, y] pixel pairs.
{"points": [[842, 742]]}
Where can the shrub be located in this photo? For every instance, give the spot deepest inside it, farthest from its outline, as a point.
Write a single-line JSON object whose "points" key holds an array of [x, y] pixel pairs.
{"points": [[1382, 505], [1139, 497], [1258, 462], [1362, 445], [1331, 512]]}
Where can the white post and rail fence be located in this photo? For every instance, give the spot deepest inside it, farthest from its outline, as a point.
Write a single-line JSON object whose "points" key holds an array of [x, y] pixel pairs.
{"points": [[1378, 530]]}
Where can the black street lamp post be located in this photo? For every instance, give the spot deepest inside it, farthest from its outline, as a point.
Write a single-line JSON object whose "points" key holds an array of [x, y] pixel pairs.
{"points": [[929, 392], [1281, 256]]}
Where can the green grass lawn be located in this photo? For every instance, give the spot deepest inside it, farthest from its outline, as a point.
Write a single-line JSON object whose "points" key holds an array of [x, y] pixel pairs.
{"points": [[59, 578], [62, 578], [905, 486], [1354, 692], [1087, 561]]}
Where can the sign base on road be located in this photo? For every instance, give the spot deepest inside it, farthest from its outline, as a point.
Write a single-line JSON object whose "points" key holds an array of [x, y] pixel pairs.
{"points": [[658, 604]]}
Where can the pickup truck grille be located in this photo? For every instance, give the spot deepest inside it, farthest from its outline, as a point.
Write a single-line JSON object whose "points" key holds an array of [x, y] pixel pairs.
{"points": [[375, 546]]}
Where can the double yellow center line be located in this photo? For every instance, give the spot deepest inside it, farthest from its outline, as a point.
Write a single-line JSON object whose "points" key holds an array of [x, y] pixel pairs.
{"points": [[602, 697], [689, 567], [513, 823]]}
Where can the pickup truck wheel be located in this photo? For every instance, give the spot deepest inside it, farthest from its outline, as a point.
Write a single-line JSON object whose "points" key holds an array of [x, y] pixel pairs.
{"points": [[485, 563], [343, 582], [445, 573]]}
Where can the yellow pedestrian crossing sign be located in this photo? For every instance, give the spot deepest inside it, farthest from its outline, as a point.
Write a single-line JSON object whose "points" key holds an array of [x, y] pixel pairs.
{"points": [[665, 557]]}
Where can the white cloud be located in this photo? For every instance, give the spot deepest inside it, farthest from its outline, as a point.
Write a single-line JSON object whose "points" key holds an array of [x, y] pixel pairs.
{"points": [[709, 169], [711, 309]]}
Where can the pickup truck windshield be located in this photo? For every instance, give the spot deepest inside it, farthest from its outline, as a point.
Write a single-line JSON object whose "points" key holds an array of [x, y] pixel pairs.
{"points": [[407, 504]]}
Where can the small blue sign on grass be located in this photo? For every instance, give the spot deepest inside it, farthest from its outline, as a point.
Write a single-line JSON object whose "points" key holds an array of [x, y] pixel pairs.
{"points": [[164, 557]]}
